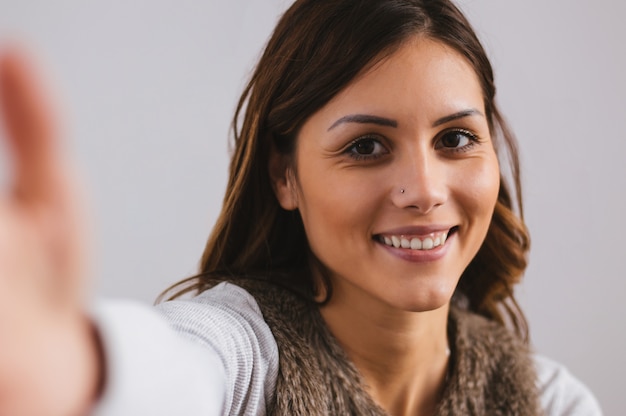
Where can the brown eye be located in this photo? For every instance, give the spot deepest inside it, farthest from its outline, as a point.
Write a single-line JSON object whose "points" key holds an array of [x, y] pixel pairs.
{"points": [[455, 139], [365, 146]]}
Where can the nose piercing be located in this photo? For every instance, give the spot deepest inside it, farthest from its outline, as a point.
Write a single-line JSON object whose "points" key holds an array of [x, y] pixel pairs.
{"points": [[401, 190]]}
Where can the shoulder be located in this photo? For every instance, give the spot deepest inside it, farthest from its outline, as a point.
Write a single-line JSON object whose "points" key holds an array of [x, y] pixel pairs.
{"points": [[561, 393], [227, 320], [224, 308]]}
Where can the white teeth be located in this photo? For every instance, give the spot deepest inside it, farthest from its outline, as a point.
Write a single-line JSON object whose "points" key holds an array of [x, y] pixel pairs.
{"points": [[415, 243]]}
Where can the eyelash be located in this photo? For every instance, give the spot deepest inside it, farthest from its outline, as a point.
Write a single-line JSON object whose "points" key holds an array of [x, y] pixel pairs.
{"points": [[473, 140], [351, 149]]}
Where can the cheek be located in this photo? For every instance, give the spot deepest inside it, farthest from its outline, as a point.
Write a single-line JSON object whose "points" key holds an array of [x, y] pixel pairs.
{"points": [[478, 190], [334, 206], [328, 224], [337, 210]]}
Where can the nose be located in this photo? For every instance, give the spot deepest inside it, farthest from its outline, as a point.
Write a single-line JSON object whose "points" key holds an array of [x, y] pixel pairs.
{"points": [[421, 182]]}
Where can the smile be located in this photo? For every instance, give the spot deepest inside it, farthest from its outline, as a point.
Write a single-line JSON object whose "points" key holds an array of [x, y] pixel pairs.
{"points": [[429, 242]]}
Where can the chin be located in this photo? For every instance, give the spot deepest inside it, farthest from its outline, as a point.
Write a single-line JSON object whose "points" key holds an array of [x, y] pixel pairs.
{"points": [[426, 306], [424, 300]]}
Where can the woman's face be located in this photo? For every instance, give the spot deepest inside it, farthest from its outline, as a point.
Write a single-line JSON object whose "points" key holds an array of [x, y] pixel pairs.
{"points": [[397, 178]]}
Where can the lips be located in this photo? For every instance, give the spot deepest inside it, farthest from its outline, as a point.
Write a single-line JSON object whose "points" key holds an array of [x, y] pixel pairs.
{"points": [[416, 242]]}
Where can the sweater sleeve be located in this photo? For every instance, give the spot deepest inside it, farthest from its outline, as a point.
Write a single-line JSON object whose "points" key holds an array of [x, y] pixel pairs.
{"points": [[227, 320], [561, 393], [210, 355], [150, 370]]}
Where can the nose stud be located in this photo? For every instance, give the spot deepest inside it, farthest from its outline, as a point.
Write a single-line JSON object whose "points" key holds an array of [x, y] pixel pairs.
{"points": [[401, 190]]}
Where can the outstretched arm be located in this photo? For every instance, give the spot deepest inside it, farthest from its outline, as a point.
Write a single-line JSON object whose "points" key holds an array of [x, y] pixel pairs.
{"points": [[52, 360], [49, 356]]}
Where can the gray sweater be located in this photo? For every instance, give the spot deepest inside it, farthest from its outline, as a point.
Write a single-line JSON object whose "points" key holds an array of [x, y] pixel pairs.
{"points": [[215, 355]]}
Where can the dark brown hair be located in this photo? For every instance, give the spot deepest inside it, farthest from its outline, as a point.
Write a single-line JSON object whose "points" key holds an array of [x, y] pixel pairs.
{"points": [[317, 48]]}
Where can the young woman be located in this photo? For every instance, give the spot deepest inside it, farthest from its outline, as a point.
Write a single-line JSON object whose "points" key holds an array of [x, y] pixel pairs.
{"points": [[363, 263]]}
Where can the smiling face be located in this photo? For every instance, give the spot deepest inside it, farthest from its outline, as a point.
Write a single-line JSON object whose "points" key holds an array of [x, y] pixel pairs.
{"points": [[397, 178]]}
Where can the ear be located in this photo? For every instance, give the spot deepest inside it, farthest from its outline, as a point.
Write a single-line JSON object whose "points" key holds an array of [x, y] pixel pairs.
{"points": [[283, 180]]}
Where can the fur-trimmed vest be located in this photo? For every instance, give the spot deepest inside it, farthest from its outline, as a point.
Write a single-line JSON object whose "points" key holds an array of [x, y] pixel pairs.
{"points": [[491, 371]]}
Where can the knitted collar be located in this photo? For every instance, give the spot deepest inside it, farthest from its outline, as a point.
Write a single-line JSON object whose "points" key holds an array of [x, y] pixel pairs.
{"points": [[491, 370]]}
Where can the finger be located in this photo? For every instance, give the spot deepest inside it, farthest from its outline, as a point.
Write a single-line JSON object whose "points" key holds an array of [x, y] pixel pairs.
{"points": [[30, 125], [43, 185]]}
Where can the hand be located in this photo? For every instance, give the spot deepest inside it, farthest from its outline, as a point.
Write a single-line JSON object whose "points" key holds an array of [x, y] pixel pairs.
{"points": [[49, 362]]}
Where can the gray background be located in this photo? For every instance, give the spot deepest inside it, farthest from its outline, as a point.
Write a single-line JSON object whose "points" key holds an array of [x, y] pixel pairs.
{"points": [[150, 86]]}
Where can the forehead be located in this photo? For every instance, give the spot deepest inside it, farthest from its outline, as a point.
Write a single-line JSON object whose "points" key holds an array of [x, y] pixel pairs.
{"points": [[422, 79]]}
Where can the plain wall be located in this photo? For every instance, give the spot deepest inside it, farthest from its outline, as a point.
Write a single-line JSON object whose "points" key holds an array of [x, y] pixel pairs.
{"points": [[150, 87]]}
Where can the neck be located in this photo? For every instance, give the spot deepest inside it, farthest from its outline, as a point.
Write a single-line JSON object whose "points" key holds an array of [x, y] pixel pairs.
{"points": [[402, 356]]}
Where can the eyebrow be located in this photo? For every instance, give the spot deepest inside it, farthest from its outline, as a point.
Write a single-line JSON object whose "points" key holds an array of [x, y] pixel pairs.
{"points": [[387, 122], [461, 114], [364, 119]]}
